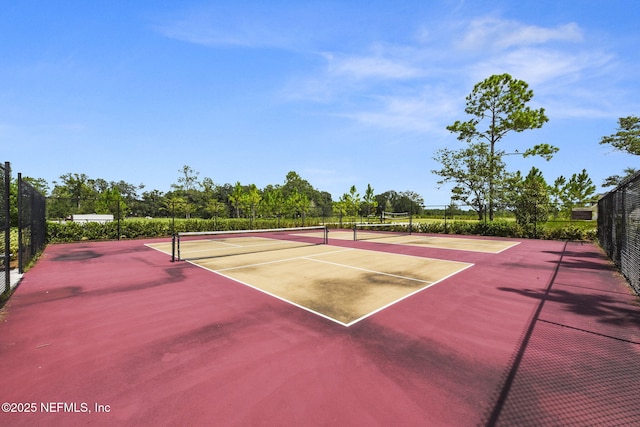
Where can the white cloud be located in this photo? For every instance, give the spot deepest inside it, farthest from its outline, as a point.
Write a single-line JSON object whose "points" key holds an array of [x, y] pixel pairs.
{"points": [[390, 86], [495, 33], [541, 65], [220, 25], [329, 178], [216, 33], [427, 111], [361, 67]]}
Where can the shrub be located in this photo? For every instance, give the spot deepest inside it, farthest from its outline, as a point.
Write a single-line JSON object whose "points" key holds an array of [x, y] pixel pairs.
{"points": [[133, 229]]}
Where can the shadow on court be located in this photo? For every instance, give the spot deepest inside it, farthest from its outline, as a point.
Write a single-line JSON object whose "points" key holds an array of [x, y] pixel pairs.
{"points": [[576, 353]]}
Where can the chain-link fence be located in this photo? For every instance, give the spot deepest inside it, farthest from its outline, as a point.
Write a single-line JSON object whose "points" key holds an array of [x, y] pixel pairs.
{"points": [[32, 232], [5, 229], [619, 228]]}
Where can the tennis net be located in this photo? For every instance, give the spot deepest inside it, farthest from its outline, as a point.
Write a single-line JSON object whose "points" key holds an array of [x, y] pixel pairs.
{"points": [[212, 244], [393, 216], [379, 231]]}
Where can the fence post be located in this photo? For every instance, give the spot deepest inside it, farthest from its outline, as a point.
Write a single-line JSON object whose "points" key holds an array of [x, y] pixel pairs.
{"points": [[118, 213], [6, 226], [20, 224], [445, 219]]}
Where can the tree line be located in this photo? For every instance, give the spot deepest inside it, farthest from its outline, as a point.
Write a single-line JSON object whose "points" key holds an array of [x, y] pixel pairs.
{"points": [[192, 197]]}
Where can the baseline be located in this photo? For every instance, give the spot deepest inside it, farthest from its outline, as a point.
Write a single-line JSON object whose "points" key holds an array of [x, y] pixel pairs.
{"points": [[342, 285]]}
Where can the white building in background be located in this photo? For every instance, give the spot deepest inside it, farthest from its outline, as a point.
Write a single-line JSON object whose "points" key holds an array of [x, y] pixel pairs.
{"points": [[84, 218]]}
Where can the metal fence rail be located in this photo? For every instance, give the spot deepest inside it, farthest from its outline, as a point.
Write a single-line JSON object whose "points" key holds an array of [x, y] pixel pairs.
{"points": [[619, 228], [32, 233], [5, 229]]}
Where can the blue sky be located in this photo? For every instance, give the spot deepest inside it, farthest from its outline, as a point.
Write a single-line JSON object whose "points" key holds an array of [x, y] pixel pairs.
{"points": [[344, 93]]}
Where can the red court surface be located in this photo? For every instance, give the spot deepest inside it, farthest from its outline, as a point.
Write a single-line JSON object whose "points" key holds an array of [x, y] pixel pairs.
{"points": [[113, 333]]}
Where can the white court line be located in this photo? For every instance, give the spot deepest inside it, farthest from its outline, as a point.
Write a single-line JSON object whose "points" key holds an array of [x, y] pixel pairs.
{"points": [[367, 270], [271, 242], [222, 242], [353, 322], [508, 247], [277, 297], [463, 242], [308, 258], [280, 260], [233, 245]]}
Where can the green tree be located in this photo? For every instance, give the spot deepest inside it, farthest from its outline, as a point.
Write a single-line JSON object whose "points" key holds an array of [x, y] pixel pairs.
{"points": [[205, 191], [352, 200], [216, 208], [471, 171], [530, 198], [499, 106], [177, 205], [273, 203], [324, 203], [237, 198], [188, 179], [187, 188], [295, 183], [222, 193], [386, 200], [369, 202], [555, 194], [340, 207], [578, 192], [111, 201], [251, 200], [152, 205], [627, 137], [208, 186], [298, 204], [78, 188], [129, 194], [615, 180], [40, 184], [409, 201]]}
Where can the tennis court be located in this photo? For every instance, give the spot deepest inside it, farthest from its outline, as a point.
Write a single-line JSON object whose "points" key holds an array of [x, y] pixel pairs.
{"points": [[543, 333], [344, 285], [404, 238]]}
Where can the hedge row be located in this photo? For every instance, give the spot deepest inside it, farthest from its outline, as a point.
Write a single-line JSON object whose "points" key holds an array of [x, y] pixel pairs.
{"points": [[501, 229], [132, 229]]}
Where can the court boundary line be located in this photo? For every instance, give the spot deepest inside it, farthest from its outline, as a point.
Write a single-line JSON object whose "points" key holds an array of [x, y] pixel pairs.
{"points": [[409, 295], [366, 270], [353, 322], [270, 294], [278, 260], [416, 238], [270, 242]]}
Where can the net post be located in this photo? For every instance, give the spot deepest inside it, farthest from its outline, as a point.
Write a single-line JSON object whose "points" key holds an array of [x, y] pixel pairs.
{"points": [[326, 235], [410, 223], [173, 247], [355, 233], [178, 244]]}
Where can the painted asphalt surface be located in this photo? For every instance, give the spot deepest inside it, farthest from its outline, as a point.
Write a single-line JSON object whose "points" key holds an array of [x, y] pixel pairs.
{"points": [[112, 333]]}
